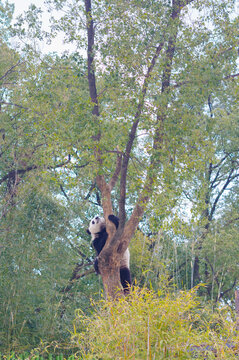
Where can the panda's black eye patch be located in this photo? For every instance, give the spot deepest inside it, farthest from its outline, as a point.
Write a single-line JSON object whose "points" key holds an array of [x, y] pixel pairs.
{"points": [[93, 222]]}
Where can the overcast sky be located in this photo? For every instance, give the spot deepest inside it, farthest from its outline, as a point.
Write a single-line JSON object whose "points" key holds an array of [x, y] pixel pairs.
{"points": [[57, 45], [22, 5]]}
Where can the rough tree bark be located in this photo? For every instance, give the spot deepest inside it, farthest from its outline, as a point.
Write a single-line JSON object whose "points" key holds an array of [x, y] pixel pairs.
{"points": [[118, 241]]}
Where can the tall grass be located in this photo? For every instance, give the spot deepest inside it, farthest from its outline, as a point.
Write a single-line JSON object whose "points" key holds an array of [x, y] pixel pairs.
{"points": [[152, 326]]}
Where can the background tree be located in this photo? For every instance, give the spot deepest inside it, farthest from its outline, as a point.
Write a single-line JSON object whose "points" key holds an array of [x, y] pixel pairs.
{"points": [[39, 223]]}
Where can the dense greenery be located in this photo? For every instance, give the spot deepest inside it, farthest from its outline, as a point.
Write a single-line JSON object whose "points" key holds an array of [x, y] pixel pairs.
{"points": [[188, 234]]}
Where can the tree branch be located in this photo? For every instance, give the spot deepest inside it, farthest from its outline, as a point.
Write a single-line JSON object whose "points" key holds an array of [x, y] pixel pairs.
{"points": [[100, 180], [115, 176], [188, 82], [132, 135], [228, 290], [230, 178], [13, 173], [16, 172], [10, 70], [232, 76], [13, 104], [158, 136]]}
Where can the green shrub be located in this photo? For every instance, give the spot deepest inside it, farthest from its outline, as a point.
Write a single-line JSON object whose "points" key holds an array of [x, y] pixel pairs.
{"points": [[149, 325]]}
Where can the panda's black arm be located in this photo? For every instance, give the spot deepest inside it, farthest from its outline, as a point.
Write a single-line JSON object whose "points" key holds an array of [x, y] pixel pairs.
{"points": [[100, 241], [115, 220]]}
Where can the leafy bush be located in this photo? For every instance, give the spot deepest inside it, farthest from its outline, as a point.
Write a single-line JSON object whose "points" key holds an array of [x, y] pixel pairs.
{"points": [[149, 325]]}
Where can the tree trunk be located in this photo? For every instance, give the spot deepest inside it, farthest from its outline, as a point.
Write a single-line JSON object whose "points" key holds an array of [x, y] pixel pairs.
{"points": [[111, 281]]}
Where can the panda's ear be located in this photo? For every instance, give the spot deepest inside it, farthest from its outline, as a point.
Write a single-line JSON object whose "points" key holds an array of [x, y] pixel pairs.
{"points": [[88, 232]]}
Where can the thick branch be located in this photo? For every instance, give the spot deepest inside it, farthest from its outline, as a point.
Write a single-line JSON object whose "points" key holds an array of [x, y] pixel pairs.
{"points": [[100, 180], [158, 136], [13, 173], [232, 76], [132, 134]]}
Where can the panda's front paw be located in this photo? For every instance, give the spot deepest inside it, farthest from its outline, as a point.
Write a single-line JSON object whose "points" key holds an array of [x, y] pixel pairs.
{"points": [[114, 219], [96, 266]]}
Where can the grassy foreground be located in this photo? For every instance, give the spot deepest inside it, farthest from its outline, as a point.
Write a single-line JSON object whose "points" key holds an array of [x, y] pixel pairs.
{"points": [[150, 325]]}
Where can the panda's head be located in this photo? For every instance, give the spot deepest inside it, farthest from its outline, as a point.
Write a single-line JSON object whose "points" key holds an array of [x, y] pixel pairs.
{"points": [[97, 224]]}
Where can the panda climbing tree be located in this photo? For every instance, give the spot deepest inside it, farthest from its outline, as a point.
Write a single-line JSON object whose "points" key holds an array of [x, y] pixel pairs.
{"points": [[97, 230], [116, 236]]}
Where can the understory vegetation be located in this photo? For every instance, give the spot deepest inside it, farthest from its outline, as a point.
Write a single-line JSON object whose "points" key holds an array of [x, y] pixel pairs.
{"points": [[134, 113], [156, 325]]}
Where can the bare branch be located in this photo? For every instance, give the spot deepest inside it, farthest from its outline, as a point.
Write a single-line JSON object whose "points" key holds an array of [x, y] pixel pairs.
{"points": [[230, 178], [221, 161], [64, 193], [13, 104], [115, 176], [228, 290], [16, 172], [231, 76], [75, 276], [231, 221], [10, 70]]}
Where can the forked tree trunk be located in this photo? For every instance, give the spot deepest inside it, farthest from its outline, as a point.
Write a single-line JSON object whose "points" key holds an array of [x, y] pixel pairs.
{"points": [[118, 241]]}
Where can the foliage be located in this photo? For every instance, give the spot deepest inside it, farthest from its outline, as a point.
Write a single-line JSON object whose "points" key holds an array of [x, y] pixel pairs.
{"points": [[150, 325], [48, 162], [38, 227]]}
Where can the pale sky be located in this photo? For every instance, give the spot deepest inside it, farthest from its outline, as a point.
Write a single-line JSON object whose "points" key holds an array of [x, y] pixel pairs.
{"points": [[22, 5], [57, 44]]}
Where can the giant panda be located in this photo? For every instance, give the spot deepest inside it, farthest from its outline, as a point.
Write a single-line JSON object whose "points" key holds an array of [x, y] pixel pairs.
{"points": [[97, 230]]}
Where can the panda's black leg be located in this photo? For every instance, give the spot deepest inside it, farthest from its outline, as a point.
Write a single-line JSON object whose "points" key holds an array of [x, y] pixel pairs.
{"points": [[125, 279], [114, 220], [96, 266]]}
